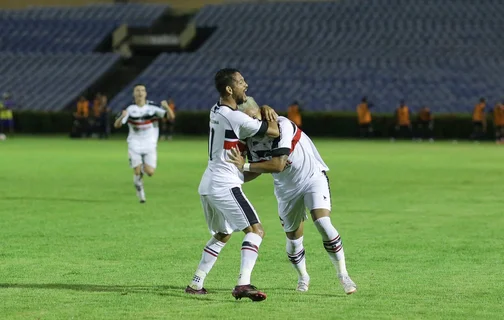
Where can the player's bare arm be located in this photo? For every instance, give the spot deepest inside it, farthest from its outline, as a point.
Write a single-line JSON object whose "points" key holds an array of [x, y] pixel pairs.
{"points": [[275, 165], [273, 129], [249, 176], [170, 115], [118, 122]]}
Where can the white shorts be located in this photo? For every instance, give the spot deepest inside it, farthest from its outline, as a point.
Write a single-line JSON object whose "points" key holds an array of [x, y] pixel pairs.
{"points": [[316, 195], [136, 158], [229, 211]]}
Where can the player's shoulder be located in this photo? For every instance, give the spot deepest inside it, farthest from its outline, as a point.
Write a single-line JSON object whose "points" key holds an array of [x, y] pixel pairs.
{"points": [[151, 103], [131, 107]]}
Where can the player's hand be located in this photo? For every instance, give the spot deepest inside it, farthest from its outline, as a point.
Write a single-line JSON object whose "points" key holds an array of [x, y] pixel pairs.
{"points": [[236, 158], [268, 113], [164, 104]]}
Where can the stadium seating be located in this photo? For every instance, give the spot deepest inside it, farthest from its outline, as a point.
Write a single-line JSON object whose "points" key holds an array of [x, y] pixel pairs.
{"points": [[50, 82], [328, 54], [137, 15], [46, 52]]}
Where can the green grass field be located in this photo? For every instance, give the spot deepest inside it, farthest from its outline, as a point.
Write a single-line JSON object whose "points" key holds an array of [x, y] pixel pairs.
{"points": [[422, 226]]}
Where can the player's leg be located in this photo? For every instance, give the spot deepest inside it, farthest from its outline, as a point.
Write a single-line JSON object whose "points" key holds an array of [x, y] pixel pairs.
{"points": [[221, 233], [292, 215], [318, 201], [241, 215], [150, 163], [135, 161]]}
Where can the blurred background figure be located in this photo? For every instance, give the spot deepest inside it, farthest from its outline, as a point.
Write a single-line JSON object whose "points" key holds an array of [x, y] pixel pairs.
{"points": [[81, 125], [168, 125], [479, 120], [294, 113], [425, 124], [364, 118], [402, 128], [6, 115], [498, 118], [94, 122], [104, 118]]}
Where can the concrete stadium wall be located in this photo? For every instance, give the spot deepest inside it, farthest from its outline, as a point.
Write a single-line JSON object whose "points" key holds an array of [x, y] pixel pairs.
{"points": [[20, 4]]}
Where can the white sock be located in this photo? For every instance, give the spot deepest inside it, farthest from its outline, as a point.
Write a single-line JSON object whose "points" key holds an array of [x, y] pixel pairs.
{"points": [[332, 243], [208, 259], [249, 253], [296, 254], [137, 180]]}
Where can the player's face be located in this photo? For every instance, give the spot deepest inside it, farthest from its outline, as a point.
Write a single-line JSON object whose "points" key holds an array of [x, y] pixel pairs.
{"points": [[254, 113], [139, 93], [239, 88]]}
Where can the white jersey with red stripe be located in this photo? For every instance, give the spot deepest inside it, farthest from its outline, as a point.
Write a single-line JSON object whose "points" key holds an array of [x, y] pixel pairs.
{"points": [[227, 128], [143, 126], [304, 161]]}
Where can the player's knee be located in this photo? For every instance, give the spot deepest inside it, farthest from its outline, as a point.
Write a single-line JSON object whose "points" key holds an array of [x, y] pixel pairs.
{"points": [[319, 213], [138, 170], [149, 171], [255, 228], [222, 237]]}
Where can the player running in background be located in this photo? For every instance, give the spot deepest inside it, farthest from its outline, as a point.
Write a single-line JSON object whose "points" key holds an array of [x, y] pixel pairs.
{"points": [[142, 118], [226, 208], [300, 182]]}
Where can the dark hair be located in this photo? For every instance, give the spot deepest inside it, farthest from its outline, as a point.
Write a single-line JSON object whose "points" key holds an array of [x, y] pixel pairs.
{"points": [[482, 99], [138, 85], [224, 78]]}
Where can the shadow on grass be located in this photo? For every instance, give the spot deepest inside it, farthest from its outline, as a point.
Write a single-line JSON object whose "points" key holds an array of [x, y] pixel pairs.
{"points": [[164, 290], [54, 199]]}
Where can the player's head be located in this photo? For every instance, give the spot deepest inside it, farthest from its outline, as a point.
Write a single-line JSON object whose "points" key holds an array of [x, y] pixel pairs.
{"points": [[230, 83], [139, 92], [364, 99], [251, 108], [482, 100]]}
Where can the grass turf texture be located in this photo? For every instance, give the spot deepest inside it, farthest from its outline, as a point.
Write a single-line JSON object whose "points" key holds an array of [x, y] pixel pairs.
{"points": [[421, 226]]}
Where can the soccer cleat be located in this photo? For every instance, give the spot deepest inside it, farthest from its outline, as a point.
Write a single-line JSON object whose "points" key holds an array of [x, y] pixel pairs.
{"points": [[348, 285], [248, 291], [302, 285], [191, 290], [140, 193]]}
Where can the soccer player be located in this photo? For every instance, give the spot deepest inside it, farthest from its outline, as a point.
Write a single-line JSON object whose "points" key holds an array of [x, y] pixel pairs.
{"points": [[226, 208], [142, 118], [300, 182]]}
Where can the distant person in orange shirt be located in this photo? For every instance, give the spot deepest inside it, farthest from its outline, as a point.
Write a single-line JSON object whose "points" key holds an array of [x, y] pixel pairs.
{"points": [[425, 124], [364, 118], [82, 116], [498, 116], [479, 120], [294, 114], [402, 122], [169, 124], [95, 121]]}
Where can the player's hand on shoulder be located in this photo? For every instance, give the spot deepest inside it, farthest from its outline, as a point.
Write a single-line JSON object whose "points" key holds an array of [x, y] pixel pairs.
{"points": [[269, 113], [164, 103]]}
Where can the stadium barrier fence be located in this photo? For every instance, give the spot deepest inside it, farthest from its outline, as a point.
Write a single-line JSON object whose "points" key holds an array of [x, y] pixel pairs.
{"points": [[316, 124]]}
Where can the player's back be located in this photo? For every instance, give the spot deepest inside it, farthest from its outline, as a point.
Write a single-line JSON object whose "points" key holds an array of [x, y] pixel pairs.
{"points": [[226, 125], [304, 160]]}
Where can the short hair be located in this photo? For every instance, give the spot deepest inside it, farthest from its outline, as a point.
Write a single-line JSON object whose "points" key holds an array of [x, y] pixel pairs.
{"points": [[138, 85], [224, 78], [249, 104]]}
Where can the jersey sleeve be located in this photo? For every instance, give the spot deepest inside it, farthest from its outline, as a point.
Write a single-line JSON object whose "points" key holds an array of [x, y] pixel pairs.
{"points": [[245, 127], [283, 144], [160, 112]]}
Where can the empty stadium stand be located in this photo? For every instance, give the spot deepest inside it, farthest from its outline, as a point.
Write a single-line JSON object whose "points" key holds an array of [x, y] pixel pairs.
{"points": [[328, 54], [47, 53]]}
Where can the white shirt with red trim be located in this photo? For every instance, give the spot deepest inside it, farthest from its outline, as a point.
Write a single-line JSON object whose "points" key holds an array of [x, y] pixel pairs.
{"points": [[143, 126], [304, 161], [227, 128]]}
